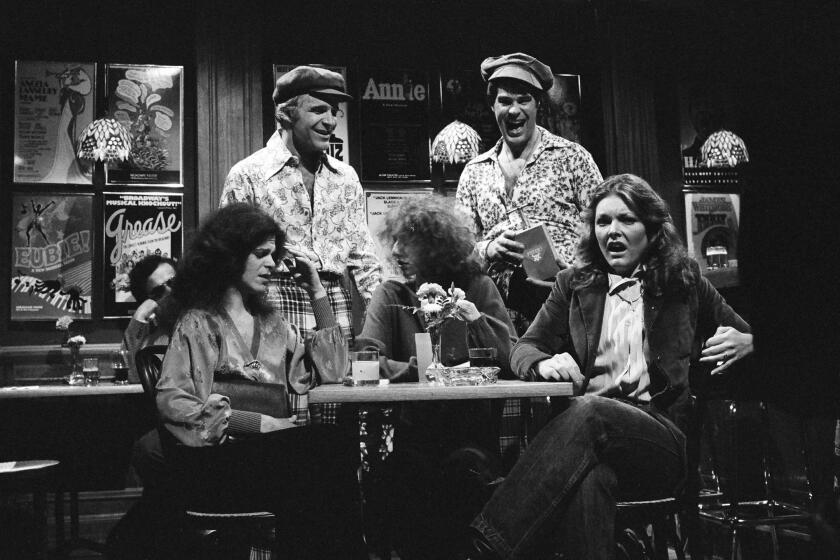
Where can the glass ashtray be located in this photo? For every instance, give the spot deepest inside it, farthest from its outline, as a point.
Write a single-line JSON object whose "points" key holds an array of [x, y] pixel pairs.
{"points": [[455, 376]]}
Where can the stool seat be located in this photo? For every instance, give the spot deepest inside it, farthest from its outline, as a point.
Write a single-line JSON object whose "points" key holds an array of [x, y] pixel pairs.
{"points": [[632, 519], [33, 469]]}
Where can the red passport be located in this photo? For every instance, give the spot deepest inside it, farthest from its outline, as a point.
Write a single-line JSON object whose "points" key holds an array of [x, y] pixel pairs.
{"points": [[540, 256]]}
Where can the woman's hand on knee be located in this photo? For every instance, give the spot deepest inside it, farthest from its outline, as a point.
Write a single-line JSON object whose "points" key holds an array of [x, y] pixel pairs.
{"points": [[272, 424], [560, 367]]}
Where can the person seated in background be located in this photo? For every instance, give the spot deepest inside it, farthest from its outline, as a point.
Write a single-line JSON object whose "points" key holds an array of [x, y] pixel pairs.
{"points": [[432, 243], [234, 459], [148, 528], [623, 325], [150, 284]]}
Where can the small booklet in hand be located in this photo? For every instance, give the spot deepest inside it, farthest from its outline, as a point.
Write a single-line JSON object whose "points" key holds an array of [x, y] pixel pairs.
{"points": [[540, 256]]}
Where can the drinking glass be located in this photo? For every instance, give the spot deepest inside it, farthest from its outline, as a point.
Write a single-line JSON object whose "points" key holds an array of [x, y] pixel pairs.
{"points": [[119, 365], [482, 357], [90, 368], [365, 367]]}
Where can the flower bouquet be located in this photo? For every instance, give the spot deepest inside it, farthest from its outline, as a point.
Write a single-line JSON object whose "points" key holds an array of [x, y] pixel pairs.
{"points": [[437, 306], [74, 343]]}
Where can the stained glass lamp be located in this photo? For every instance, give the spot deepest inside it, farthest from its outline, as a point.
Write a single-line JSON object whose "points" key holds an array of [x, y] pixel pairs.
{"points": [[456, 143], [723, 149], [104, 140]]}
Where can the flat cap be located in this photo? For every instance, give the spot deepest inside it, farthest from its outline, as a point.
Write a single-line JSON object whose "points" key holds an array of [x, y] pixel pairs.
{"points": [[518, 66], [309, 79]]}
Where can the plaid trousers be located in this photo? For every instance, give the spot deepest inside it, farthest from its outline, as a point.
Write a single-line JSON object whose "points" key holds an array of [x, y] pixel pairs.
{"points": [[292, 301]]}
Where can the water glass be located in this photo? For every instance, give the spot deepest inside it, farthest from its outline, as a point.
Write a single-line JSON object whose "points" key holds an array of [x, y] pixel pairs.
{"points": [[119, 365], [483, 357], [90, 368], [365, 367]]}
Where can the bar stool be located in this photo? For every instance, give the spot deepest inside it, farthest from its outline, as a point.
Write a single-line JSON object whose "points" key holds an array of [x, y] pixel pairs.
{"points": [[35, 476], [734, 513]]}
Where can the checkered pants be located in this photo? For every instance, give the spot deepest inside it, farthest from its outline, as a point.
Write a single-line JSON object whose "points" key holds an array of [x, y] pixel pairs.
{"points": [[293, 302]]}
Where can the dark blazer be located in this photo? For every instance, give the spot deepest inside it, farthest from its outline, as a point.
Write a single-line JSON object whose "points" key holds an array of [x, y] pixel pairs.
{"points": [[676, 326]]}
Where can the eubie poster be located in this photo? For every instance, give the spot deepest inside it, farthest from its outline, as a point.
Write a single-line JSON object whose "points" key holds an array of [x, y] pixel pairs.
{"points": [[377, 204], [51, 269], [54, 102], [712, 229], [395, 139], [339, 139], [149, 102], [136, 225]]}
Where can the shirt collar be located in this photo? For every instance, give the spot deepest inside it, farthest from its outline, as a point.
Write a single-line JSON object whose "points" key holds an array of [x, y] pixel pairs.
{"points": [[618, 283], [548, 141], [281, 156]]}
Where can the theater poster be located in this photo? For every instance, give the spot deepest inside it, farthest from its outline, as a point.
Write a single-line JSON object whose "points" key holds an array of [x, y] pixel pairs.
{"points": [[561, 114], [712, 230], [149, 102], [395, 138], [54, 102], [377, 204], [339, 139], [136, 225], [52, 254]]}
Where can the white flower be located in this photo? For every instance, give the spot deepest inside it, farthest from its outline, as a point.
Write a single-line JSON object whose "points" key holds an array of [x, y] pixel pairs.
{"points": [[78, 339], [457, 293], [430, 308], [63, 323], [430, 289]]}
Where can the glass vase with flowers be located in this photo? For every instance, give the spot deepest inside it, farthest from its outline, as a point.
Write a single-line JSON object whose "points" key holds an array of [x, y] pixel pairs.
{"points": [[436, 306], [73, 343]]}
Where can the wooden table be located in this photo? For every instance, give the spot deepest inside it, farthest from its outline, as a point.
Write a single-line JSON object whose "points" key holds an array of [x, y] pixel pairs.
{"points": [[41, 391], [399, 392]]}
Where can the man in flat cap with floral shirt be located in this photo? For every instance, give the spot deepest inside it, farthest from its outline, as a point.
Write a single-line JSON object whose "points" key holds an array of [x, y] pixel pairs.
{"points": [[529, 177], [317, 199]]}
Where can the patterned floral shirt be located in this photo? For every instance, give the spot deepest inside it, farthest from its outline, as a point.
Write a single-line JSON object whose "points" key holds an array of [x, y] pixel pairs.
{"points": [[555, 183], [331, 230]]}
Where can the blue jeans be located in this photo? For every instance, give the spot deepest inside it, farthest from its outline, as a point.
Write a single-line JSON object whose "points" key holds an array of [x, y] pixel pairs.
{"points": [[562, 492]]}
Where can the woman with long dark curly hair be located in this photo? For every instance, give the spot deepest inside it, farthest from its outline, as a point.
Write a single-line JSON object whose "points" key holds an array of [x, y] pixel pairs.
{"points": [[230, 458], [623, 326], [431, 243]]}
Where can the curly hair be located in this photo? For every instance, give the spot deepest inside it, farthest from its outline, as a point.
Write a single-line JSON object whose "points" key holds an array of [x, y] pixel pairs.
{"points": [[215, 260], [139, 275], [435, 236], [667, 265]]}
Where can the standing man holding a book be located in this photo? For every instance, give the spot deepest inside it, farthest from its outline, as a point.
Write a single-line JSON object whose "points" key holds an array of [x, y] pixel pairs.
{"points": [[530, 182]]}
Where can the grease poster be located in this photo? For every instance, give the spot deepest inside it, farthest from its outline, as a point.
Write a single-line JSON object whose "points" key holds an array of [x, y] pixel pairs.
{"points": [[148, 101], [51, 256], [135, 226], [54, 102]]}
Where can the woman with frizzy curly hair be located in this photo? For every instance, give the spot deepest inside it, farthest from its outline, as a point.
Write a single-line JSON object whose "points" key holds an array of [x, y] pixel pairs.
{"points": [[431, 242]]}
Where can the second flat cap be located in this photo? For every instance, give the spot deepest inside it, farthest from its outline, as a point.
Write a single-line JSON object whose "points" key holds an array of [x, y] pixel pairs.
{"points": [[518, 66], [309, 79]]}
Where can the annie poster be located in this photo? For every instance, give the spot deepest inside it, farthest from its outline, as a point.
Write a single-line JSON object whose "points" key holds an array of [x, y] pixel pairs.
{"points": [[395, 138], [51, 256], [135, 226], [54, 102], [149, 102]]}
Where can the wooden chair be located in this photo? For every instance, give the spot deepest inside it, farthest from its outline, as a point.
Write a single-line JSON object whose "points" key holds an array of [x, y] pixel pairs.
{"points": [[229, 526], [37, 477]]}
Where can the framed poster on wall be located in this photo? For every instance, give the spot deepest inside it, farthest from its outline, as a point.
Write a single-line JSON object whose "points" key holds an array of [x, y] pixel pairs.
{"points": [[136, 225], [561, 114], [377, 204], [339, 139], [712, 233], [149, 102], [395, 136], [51, 268], [54, 102]]}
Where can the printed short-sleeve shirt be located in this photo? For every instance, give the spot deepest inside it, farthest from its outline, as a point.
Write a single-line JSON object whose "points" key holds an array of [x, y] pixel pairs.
{"points": [[555, 184]]}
